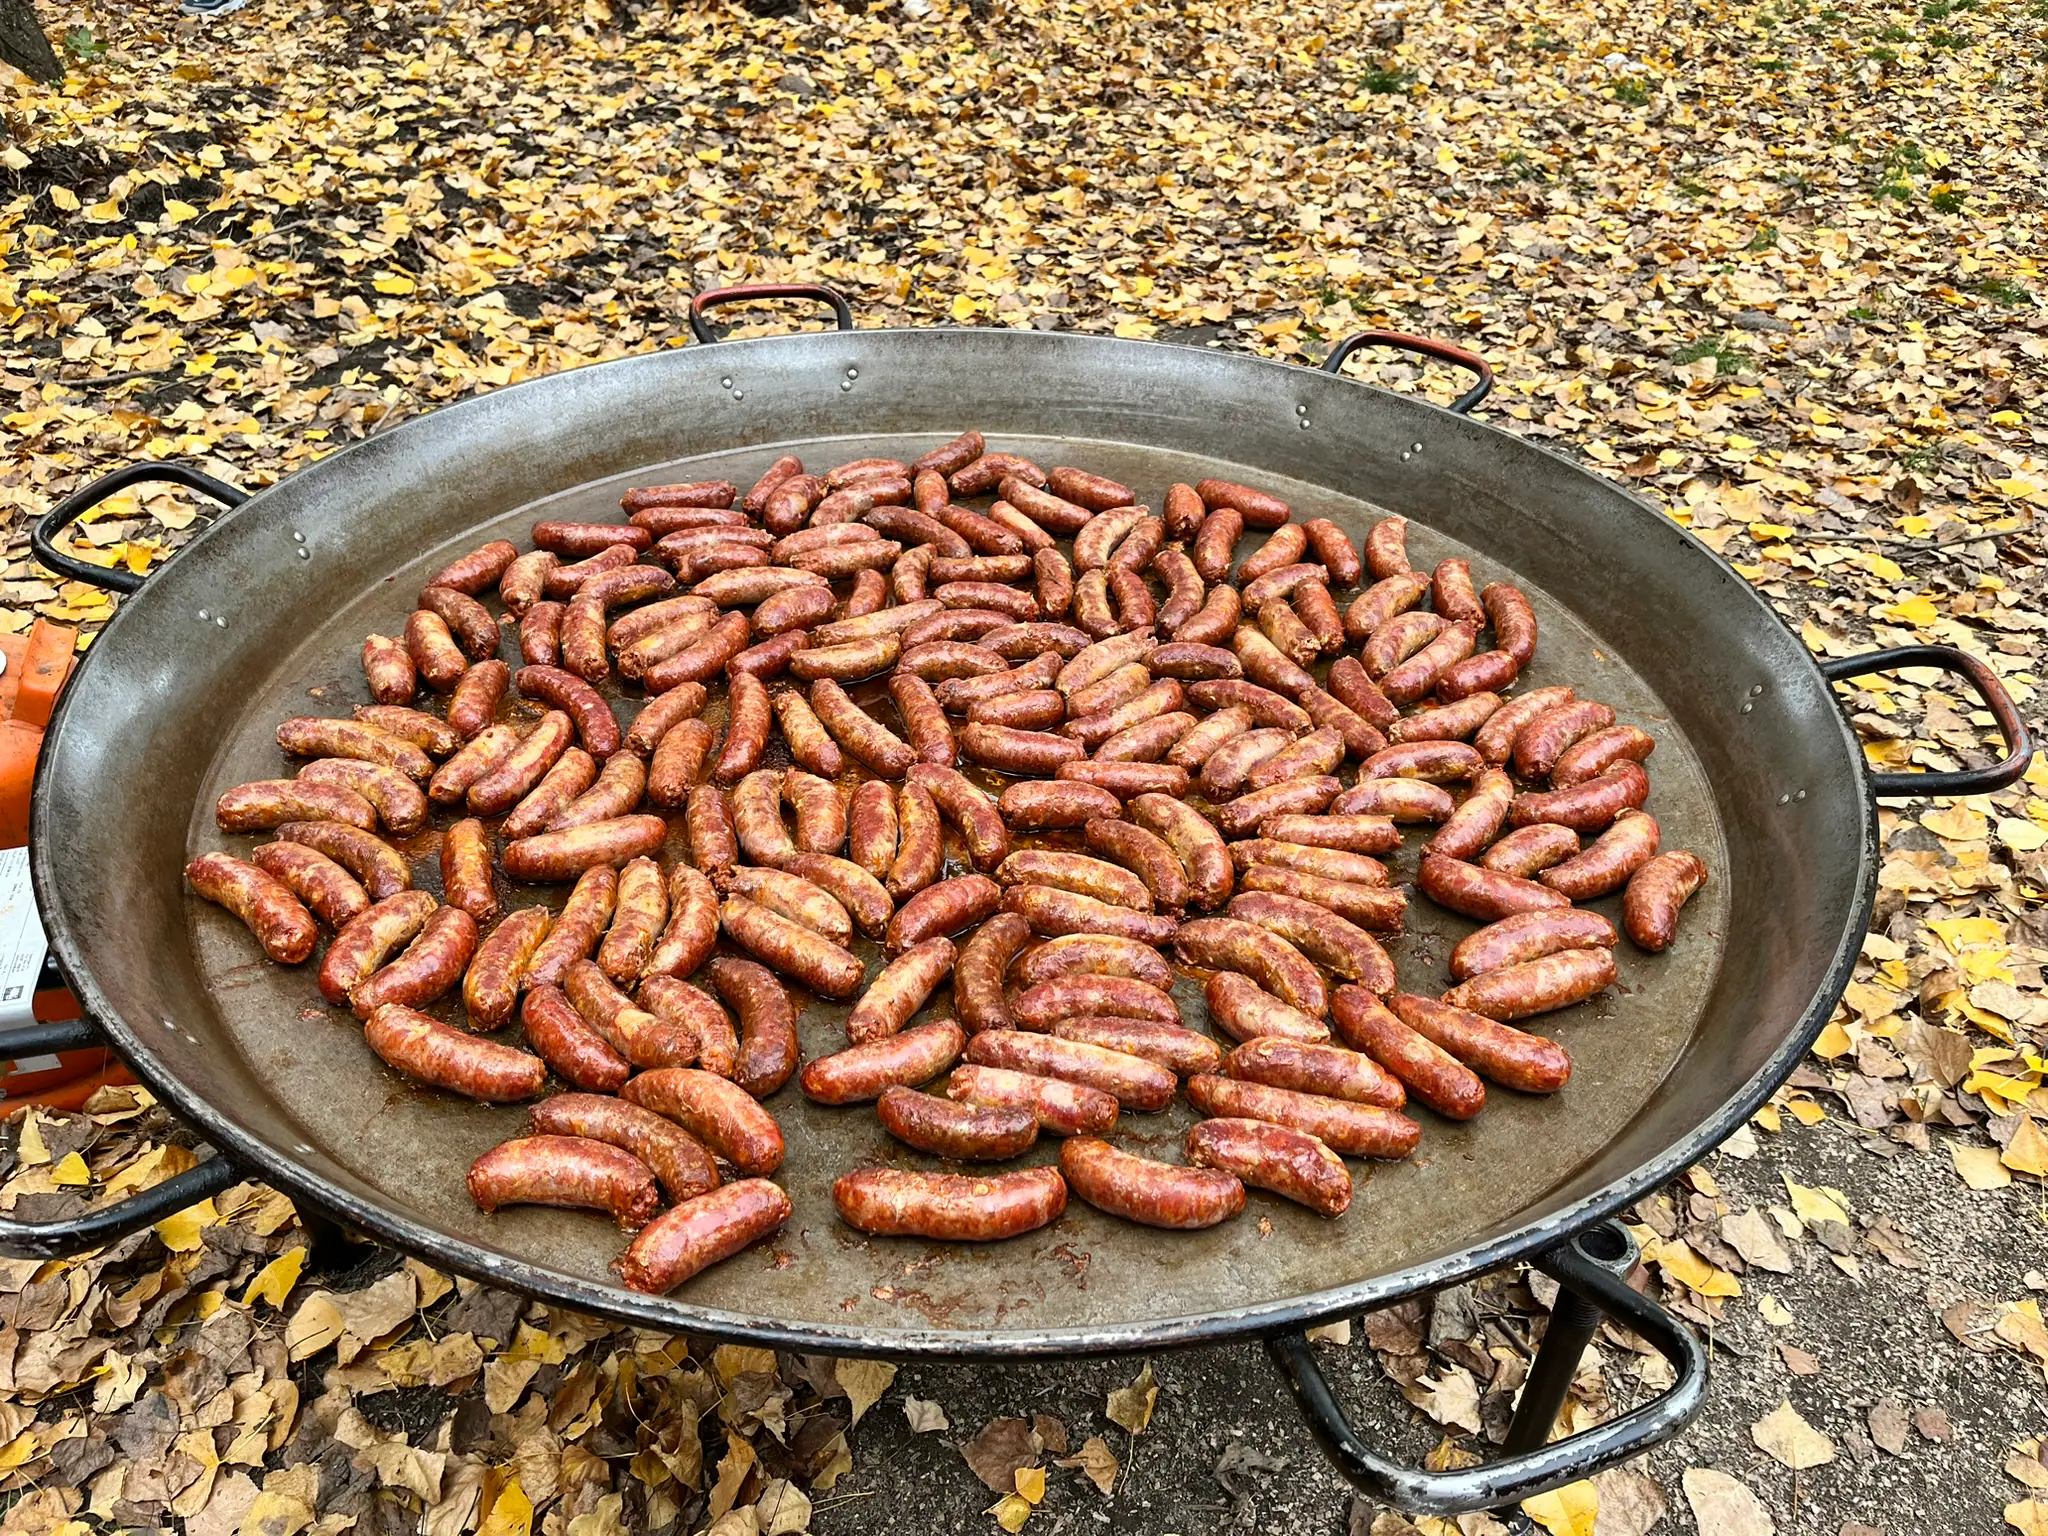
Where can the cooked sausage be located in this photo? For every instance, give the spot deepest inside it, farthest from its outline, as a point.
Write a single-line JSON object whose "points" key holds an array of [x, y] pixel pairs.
{"points": [[381, 867], [1589, 806], [756, 803], [1040, 709], [864, 738], [714, 842], [676, 1158], [516, 774], [466, 870], [639, 915], [1478, 821], [969, 808], [1496, 739], [1231, 944], [688, 1239], [1360, 737], [949, 1207], [1146, 854], [574, 1051], [1076, 872], [1246, 1011], [1162, 697], [434, 652], [1198, 845], [820, 809], [872, 828], [1147, 1191], [1650, 905], [790, 949], [525, 580], [1436, 761], [569, 1171], [577, 927], [903, 987], [1398, 639], [1592, 755], [656, 646], [849, 662], [1035, 805], [1290, 1163], [389, 670], [1039, 1007], [480, 568], [1553, 981], [1373, 908], [703, 658], [1182, 1051], [1394, 799], [1312, 1066], [468, 620], [695, 493], [1361, 1130], [1481, 893], [1088, 954], [645, 1039], [1230, 766], [1487, 672], [1052, 912], [1319, 752], [979, 968], [1033, 754], [1063, 1108], [720, 1114], [1299, 796], [309, 736], [924, 722], [476, 696], [1447, 722], [1429, 1072], [1527, 851], [860, 1073], [1215, 621], [1383, 600], [334, 895], [1625, 847], [267, 803], [1452, 594], [498, 970], [1264, 576], [967, 1132], [443, 1056], [1317, 611], [434, 737], [1308, 858], [679, 762], [1416, 676], [697, 1017], [691, 932], [1127, 780], [556, 856], [747, 720], [768, 1051], [1266, 706], [942, 909], [1540, 743], [1514, 1059], [1335, 551], [1386, 548], [1135, 1082], [264, 903], [1194, 750], [615, 792], [596, 726], [1513, 619], [920, 848]]}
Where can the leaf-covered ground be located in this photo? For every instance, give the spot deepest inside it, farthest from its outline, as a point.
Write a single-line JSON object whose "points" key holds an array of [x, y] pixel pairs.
{"points": [[1778, 266]]}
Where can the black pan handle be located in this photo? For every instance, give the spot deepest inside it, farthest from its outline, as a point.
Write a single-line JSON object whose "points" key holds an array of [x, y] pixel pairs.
{"points": [[42, 538], [1442, 351], [2019, 745], [1494, 1484], [746, 293], [96, 1228]]}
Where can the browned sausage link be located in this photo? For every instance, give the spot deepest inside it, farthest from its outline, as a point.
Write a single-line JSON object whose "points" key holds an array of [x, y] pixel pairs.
{"points": [[1386, 548], [1194, 750], [676, 1158], [1481, 893], [638, 917], [652, 648], [1215, 621], [1266, 664], [840, 561], [1310, 858], [1496, 739], [1004, 568], [1135, 1082], [1089, 954], [616, 792], [1453, 596], [596, 726], [969, 808], [899, 991], [1551, 981], [1076, 872], [790, 949], [691, 931], [1478, 821], [266, 803], [1162, 697], [1542, 741], [1529, 850], [771, 658], [388, 668], [1036, 710], [630, 628], [949, 1207], [569, 1171], [1309, 1066], [1357, 696], [746, 588], [579, 541], [702, 659], [889, 621], [1146, 854], [1099, 660], [1095, 492], [1053, 581], [1182, 1051], [478, 569], [1215, 544], [466, 870], [573, 773], [1489, 672], [714, 842], [790, 502], [682, 1242], [488, 750], [1128, 779], [695, 493], [1146, 1191], [1513, 620], [967, 1132], [1318, 611], [1031, 754], [747, 721], [381, 867], [1185, 589], [1230, 944], [334, 895], [1373, 908], [924, 722], [820, 807], [665, 522], [864, 738], [757, 820], [951, 458], [1383, 600], [1120, 687], [1052, 912], [1072, 996], [434, 737], [525, 580], [672, 778], [1588, 806], [796, 899], [1353, 833], [1362, 1130], [565, 581], [810, 744], [1198, 845], [1419, 673], [265, 905], [872, 830], [443, 1056], [310, 736], [1429, 1072], [1036, 805], [1283, 628], [695, 1023], [768, 1051], [1514, 1059], [643, 1038], [1289, 797], [1335, 550], [929, 492], [429, 966], [920, 845], [861, 1072], [1029, 534], [788, 467], [1260, 509], [577, 928], [916, 530], [870, 594], [720, 1114], [524, 766], [941, 909], [1131, 599], [1317, 753], [1448, 722], [1184, 512], [960, 624], [1094, 544], [1283, 547], [1394, 799], [490, 988], [1398, 639], [1063, 1108], [1244, 1010], [476, 696], [983, 535], [797, 608], [1590, 756], [1290, 1163], [1269, 580], [978, 972], [1624, 848], [1650, 905], [1437, 761], [557, 856]]}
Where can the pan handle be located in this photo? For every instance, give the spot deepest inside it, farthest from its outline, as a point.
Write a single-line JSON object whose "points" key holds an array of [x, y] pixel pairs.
{"points": [[746, 293], [2019, 746], [96, 1228], [42, 538], [1442, 351], [1492, 1485]]}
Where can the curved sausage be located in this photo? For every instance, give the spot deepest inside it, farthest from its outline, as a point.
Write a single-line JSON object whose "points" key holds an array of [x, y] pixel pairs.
{"points": [[872, 828], [1361, 1130], [1429, 1072], [334, 895], [435, 737], [639, 914], [311, 736], [556, 856], [1589, 806], [1182, 1051], [267, 803], [679, 761], [969, 808], [1052, 911], [1557, 980], [768, 1050], [1290, 1163], [525, 580], [480, 568], [1374, 908], [1540, 743], [1438, 762], [577, 928], [1481, 893], [1513, 619], [720, 1114], [1078, 873], [1041, 1006], [615, 792], [1308, 858], [466, 870], [820, 809], [1387, 597], [864, 738], [676, 1158], [1527, 1063], [903, 987], [714, 841], [796, 899], [434, 651], [381, 867], [1496, 739], [968, 1132], [1198, 845], [265, 905], [979, 968], [790, 949], [1650, 905], [1231, 944], [860, 1073], [949, 1207], [1036, 804], [1244, 1010], [596, 726], [1147, 1191], [491, 986], [756, 803], [691, 930], [698, 1016], [1094, 954], [1625, 847], [388, 669], [523, 767], [569, 1171], [1301, 796], [747, 720], [942, 909], [1127, 780], [920, 848], [1146, 854], [1527, 851], [1033, 754], [443, 1056], [1063, 1108], [1135, 1082], [1311, 1066], [688, 1239], [1478, 821], [1590, 756], [859, 892]]}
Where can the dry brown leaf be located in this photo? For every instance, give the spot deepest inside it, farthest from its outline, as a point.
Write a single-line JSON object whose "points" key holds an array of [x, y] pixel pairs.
{"points": [[1785, 1436], [1097, 1463], [1130, 1407], [865, 1381], [1003, 1447], [1723, 1506], [924, 1415]]}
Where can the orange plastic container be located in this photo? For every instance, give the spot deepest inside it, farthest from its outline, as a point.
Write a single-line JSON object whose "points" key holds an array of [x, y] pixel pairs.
{"points": [[37, 665]]}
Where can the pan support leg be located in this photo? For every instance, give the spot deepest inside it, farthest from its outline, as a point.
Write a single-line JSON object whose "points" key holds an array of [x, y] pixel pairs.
{"points": [[1573, 1322]]}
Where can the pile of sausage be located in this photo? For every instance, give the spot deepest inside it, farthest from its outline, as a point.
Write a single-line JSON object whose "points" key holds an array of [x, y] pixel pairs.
{"points": [[1151, 733]]}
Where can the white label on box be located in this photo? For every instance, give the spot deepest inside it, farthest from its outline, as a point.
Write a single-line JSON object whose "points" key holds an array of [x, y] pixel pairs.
{"points": [[22, 944]]}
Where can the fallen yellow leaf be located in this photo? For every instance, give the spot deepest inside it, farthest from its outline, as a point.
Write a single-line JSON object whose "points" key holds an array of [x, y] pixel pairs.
{"points": [[2027, 1152], [1979, 1167], [1813, 1206], [275, 1280], [1010, 1511], [1572, 1510], [71, 1170], [180, 1233]]}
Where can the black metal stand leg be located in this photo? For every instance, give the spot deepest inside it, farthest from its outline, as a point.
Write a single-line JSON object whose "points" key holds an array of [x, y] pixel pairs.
{"points": [[1573, 1321]]}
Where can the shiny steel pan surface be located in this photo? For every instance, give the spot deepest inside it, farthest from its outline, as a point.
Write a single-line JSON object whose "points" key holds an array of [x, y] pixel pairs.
{"points": [[263, 615]]}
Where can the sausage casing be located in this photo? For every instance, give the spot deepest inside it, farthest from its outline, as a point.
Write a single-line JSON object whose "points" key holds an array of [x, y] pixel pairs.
{"points": [[1290, 1163], [720, 1114], [691, 1237], [569, 1171], [949, 1207], [264, 903], [1361, 1130], [1147, 1191], [861, 1072], [443, 1056], [1514, 1059], [1650, 905]]}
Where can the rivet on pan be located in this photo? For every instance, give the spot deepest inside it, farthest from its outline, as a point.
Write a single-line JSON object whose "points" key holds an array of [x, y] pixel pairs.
{"points": [[305, 554], [1415, 447], [298, 538], [845, 384], [204, 615], [1746, 708], [1301, 410], [1303, 423], [739, 394], [1755, 689], [1405, 457], [1800, 796], [853, 373], [221, 620], [725, 383], [1784, 799]]}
